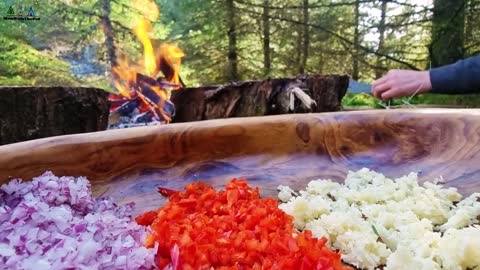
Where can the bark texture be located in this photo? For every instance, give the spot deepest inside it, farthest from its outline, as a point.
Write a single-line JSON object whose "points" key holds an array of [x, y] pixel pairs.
{"points": [[356, 42], [448, 25], [108, 31], [28, 113], [232, 42], [379, 69], [266, 38], [258, 98], [305, 38]]}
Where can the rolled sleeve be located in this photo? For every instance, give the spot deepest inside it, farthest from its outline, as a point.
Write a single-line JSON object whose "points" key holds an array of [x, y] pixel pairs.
{"points": [[460, 78]]}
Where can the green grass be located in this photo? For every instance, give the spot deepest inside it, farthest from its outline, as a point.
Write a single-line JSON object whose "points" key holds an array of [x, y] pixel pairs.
{"points": [[366, 100], [100, 82], [359, 100], [21, 64], [468, 101]]}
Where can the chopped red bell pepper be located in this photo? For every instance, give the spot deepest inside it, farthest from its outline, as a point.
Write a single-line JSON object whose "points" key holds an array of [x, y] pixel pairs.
{"points": [[202, 228], [146, 219], [166, 191]]}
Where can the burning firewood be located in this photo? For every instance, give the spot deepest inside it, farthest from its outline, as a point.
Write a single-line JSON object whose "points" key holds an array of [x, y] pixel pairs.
{"points": [[145, 90], [143, 94]]}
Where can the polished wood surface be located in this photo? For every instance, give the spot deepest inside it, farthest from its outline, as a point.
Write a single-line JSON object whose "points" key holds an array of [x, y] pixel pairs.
{"points": [[289, 149]]}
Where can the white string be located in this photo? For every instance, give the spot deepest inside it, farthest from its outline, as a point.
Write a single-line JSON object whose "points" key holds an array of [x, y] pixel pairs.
{"points": [[387, 106], [407, 102], [418, 89]]}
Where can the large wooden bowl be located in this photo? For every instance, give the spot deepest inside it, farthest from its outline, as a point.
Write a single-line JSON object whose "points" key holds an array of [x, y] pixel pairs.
{"points": [[268, 151]]}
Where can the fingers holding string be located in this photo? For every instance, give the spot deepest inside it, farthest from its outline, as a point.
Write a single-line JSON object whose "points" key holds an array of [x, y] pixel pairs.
{"points": [[379, 89]]}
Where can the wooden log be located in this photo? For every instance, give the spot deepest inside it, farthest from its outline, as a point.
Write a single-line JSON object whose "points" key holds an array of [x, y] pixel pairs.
{"points": [[268, 151], [28, 113], [258, 98]]}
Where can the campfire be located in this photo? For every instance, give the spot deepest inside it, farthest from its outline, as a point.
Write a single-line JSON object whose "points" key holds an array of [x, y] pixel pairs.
{"points": [[144, 87]]}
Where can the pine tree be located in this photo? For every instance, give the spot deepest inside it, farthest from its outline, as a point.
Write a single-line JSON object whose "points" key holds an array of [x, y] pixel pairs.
{"points": [[11, 12], [31, 13], [448, 25]]}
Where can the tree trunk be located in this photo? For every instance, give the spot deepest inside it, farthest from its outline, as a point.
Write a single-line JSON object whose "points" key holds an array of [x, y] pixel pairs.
{"points": [[109, 33], [470, 22], [257, 98], [306, 38], [447, 32], [298, 50], [232, 42], [266, 39], [28, 113], [321, 61], [356, 41], [379, 69]]}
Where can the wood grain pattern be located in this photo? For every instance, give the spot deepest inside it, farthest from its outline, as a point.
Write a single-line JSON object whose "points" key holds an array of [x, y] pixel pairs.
{"points": [[288, 149]]}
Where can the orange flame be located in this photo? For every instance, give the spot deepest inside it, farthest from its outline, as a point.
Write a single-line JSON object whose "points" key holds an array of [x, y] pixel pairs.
{"points": [[167, 59], [126, 74], [142, 32]]}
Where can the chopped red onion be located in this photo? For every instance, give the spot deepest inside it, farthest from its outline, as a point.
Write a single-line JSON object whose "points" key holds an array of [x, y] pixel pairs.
{"points": [[55, 223]]}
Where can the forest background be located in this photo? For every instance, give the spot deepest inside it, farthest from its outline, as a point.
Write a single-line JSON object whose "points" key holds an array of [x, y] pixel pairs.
{"points": [[76, 42]]}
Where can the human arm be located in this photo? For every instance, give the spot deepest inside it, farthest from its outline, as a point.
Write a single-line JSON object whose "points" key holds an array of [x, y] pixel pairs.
{"points": [[463, 77], [459, 78], [400, 83]]}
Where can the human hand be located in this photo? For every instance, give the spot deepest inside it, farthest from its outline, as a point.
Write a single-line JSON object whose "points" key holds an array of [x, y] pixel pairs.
{"points": [[400, 83]]}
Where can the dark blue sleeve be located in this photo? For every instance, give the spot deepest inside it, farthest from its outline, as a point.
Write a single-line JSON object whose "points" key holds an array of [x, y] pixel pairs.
{"points": [[460, 78]]}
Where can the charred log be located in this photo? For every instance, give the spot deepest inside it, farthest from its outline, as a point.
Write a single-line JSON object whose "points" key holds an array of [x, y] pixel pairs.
{"points": [[28, 113], [303, 94]]}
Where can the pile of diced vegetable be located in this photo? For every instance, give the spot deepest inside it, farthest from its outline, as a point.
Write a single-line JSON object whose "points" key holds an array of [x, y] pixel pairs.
{"points": [[55, 223], [232, 229], [370, 222], [392, 224]]}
